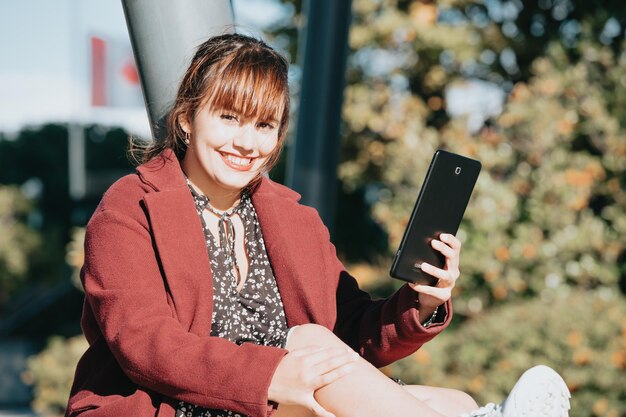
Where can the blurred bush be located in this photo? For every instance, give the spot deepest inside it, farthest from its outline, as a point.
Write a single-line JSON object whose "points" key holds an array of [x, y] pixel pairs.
{"points": [[18, 241], [549, 209], [580, 334], [75, 255], [51, 372]]}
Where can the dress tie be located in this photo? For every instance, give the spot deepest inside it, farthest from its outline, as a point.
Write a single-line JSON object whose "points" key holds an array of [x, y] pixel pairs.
{"points": [[227, 231], [224, 225]]}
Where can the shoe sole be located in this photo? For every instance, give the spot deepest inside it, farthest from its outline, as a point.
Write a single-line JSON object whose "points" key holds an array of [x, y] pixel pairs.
{"points": [[540, 392]]}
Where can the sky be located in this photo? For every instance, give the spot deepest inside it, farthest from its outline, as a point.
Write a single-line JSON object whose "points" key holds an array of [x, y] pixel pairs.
{"points": [[45, 63], [44, 59]]}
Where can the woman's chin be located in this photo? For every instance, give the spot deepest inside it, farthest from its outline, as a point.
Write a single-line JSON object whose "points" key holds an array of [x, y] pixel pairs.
{"points": [[237, 182]]}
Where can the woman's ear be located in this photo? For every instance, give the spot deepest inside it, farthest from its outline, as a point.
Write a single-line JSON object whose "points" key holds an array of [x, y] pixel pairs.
{"points": [[184, 123]]}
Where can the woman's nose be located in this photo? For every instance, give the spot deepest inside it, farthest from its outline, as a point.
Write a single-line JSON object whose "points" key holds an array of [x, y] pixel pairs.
{"points": [[244, 138]]}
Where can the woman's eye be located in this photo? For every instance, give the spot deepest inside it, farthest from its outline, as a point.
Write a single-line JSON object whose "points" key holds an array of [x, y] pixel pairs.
{"points": [[265, 126], [230, 117]]}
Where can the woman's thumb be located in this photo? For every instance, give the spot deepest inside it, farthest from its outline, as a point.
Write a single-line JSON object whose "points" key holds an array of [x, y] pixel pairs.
{"points": [[318, 410]]}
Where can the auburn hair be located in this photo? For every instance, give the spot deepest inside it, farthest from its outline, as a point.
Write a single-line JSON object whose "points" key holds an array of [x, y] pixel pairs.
{"points": [[232, 72]]}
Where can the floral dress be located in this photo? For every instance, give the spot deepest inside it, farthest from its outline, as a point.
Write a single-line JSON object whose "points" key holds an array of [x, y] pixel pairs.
{"points": [[254, 313]]}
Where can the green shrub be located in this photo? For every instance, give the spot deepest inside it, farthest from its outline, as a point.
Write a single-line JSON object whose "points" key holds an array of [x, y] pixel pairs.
{"points": [[75, 255], [549, 208], [581, 335], [52, 372], [19, 242]]}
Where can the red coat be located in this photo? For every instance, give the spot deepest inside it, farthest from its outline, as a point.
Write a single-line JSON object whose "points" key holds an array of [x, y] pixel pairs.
{"points": [[148, 304]]}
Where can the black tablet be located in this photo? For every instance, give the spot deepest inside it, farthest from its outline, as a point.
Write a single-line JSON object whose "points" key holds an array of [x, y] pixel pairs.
{"points": [[439, 209]]}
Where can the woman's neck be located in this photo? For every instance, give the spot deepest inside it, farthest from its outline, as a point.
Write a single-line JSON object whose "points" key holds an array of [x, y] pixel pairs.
{"points": [[219, 198]]}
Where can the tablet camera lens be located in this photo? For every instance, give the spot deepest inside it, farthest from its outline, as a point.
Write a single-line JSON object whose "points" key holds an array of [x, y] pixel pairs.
{"points": [[457, 170]]}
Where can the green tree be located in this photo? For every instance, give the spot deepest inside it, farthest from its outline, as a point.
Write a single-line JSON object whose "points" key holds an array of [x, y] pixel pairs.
{"points": [[485, 356], [548, 208], [18, 241], [51, 373], [551, 212], [37, 160]]}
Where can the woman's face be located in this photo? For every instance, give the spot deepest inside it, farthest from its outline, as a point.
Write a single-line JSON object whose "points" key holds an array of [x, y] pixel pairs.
{"points": [[227, 150]]}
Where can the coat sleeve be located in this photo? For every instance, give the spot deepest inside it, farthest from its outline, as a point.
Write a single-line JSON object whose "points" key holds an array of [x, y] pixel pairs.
{"points": [[382, 331], [127, 294]]}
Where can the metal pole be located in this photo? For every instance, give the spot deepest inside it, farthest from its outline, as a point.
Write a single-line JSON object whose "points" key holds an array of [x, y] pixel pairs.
{"points": [[77, 168], [77, 165], [164, 35], [313, 157]]}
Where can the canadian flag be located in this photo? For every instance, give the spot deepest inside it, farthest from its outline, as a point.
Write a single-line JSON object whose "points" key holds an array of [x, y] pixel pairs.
{"points": [[114, 75]]}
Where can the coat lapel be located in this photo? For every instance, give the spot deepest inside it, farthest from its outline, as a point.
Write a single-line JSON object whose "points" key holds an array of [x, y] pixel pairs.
{"points": [[291, 241], [180, 243], [295, 256]]}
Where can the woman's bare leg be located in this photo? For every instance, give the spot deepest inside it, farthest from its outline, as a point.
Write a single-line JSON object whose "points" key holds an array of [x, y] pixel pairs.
{"points": [[365, 392], [449, 402]]}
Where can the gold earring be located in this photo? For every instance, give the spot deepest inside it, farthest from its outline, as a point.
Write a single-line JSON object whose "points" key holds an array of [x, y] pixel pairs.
{"points": [[186, 140]]}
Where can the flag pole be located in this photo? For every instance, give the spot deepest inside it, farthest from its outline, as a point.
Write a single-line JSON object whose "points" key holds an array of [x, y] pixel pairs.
{"points": [[77, 176], [76, 160]]}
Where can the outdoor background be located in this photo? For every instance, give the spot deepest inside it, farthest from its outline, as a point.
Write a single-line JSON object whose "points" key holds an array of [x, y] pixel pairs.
{"points": [[536, 90]]}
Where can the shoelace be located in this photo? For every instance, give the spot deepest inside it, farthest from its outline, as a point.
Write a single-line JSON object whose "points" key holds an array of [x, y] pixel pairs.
{"points": [[488, 410]]}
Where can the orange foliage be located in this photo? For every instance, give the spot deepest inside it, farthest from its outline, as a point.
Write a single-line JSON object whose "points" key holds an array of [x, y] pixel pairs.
{"points": [[574, 338], [503, 253], [424, 13]]}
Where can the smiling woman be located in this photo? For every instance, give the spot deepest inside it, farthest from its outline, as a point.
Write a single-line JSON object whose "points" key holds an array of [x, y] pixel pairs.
{"points": [[227, 151], [233, 77], [210, 291]]}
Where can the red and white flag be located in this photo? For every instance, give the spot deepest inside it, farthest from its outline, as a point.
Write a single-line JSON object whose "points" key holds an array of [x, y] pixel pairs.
{"points": [[114, 75]]}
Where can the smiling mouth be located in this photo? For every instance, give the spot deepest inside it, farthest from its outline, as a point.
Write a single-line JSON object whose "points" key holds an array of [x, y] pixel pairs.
{"points": [[238, 163]]}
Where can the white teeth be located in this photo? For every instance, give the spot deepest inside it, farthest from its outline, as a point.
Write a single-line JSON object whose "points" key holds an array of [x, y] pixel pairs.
{"points": [[238, 161]]}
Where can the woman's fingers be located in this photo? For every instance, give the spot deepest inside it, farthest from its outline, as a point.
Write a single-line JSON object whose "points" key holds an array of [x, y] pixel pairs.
{"points": [[312, 351], [322, 365], [314, 355], [447, 276], [304, 370], [333, 375], [446, 250], [440, 294], [450, 247], [333, 360], [451, 240]]}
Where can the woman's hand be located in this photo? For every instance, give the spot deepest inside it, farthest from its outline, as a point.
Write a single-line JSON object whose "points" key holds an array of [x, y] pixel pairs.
{"points": [[303, 371], [430, 297]]}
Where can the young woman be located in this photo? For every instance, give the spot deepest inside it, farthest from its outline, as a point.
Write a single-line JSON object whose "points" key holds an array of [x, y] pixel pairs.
{"points": [[211, 292]]}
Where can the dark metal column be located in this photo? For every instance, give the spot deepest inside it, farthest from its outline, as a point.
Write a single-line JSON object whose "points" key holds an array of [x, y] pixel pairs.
{"points": [[313, 157], [164, 35]]}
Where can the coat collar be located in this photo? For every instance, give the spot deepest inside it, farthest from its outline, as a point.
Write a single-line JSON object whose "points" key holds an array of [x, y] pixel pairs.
{"points": [[165, 173], [162, 172], [181, 245]]}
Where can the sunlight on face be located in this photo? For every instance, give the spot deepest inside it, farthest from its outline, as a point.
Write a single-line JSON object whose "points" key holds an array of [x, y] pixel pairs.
{"points": [[227, 150]]}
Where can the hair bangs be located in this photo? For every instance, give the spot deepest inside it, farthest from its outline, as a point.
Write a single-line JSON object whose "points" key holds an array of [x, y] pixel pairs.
{"points": [[254, 91]]}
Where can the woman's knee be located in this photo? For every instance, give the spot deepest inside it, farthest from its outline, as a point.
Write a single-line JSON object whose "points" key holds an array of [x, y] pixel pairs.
{"points": [[464, 399], [312, 335]]}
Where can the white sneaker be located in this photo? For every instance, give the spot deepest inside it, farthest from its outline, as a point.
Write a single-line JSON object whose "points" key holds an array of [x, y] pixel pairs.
{"points": [[539, 392], [489, 410]]}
